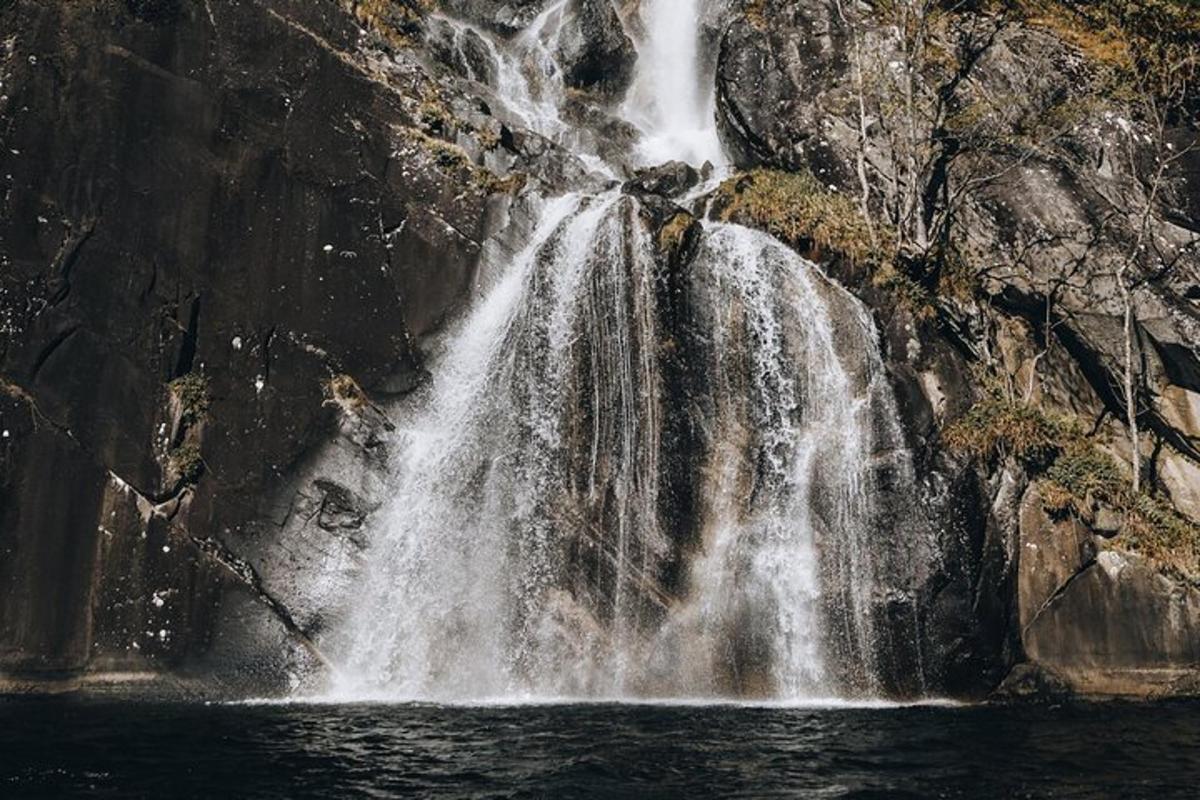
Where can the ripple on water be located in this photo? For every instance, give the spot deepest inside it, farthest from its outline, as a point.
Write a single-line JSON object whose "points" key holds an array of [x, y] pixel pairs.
{"points": [[104, 748]]}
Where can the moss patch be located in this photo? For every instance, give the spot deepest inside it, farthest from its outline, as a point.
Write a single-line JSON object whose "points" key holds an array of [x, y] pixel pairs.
{"points": [[796, 208], [187, 463], [191, 392], [674, 232], [1076, 475]]}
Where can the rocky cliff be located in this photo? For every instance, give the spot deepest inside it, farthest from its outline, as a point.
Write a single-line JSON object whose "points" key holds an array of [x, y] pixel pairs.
{"points": [[213, 214], [232, 231], [1035, 193]]}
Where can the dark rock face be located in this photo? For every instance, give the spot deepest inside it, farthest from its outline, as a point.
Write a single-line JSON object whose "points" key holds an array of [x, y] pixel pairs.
{"points": [[464, 52], [593, 49], [222, 191], [1106, 622]]}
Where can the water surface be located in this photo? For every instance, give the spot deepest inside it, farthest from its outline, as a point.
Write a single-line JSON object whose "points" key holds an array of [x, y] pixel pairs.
{"points": [[56, 747]]}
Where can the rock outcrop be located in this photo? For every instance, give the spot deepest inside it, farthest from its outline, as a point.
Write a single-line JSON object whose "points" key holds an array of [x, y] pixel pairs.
{"points": [[593, 48], [1103, 621]]}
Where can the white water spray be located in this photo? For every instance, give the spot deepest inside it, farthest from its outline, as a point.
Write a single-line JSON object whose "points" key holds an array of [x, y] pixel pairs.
{"points": [[673, 99]]}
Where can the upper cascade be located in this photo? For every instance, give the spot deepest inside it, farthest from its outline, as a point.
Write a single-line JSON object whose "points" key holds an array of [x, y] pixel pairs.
{"points": [[669, 101], [673, 98]]}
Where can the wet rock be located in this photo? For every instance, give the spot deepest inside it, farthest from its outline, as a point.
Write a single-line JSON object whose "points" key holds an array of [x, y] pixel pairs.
{"points": [[509, 16], [593, 49], [1033, 682], [668, 180], [463, 51], [340, 508]]}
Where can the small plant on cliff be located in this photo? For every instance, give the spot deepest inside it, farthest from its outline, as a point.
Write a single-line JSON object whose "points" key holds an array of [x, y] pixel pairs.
{"points": [[345, 393], [998, 427], [187, 463], [1076, 476], [435, 118], [191, 392], [796, 208], [491, 183], [397, 22], [1080, 475], [1159, 532], [673, 233], [444, 154]]}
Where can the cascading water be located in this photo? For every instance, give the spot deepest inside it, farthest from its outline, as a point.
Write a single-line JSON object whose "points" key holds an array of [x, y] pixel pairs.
{"points": [[523, 69], [632, 476], [672, 100]]}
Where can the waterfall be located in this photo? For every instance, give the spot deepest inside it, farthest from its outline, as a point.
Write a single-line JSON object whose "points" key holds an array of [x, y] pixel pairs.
{"points": [[673, 100], [632, 472], [804, 434], [523, 70]]}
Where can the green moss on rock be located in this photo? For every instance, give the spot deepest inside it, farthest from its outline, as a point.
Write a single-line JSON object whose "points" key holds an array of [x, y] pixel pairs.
{"points": [[1077, 477], [191, 392]]}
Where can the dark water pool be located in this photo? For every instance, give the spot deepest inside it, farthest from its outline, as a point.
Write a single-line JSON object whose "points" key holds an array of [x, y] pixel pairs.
{"points": [[65, 747]]}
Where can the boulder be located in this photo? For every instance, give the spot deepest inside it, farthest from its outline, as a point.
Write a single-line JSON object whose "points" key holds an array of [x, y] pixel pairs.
{"points": [[1031, 682], [667, 180], [1105, 622], [593, 49]]}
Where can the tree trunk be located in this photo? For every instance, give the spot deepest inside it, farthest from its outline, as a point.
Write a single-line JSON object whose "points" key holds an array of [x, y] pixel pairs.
{"points": [[1135, 459]]}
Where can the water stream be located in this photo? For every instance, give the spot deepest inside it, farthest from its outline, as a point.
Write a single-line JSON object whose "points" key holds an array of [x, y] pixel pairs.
{"points": [[628, 477]]}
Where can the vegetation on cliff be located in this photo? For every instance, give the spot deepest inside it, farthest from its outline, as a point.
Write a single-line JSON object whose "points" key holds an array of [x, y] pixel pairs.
{"points": [[795, 208], [1078, 476], [397, 22], [191, 392], [1130, 43], [995, 161]]}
